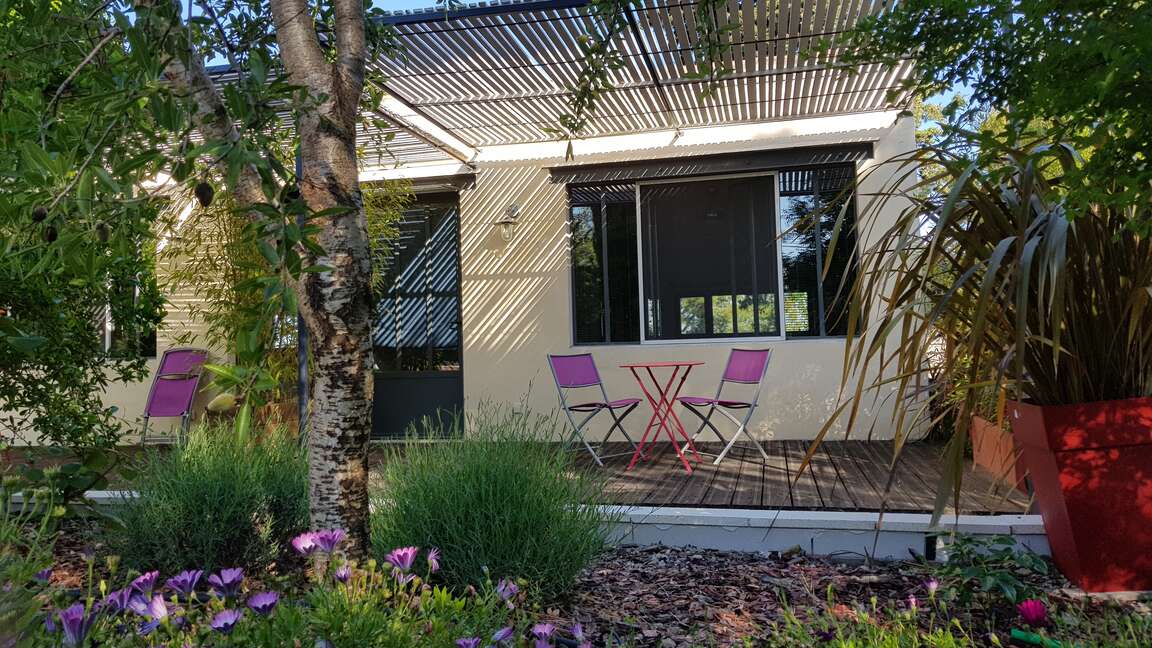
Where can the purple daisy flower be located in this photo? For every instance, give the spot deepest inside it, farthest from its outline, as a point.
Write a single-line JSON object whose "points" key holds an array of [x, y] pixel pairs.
{"points": [[402, 558], [305, 543], [932, 585], [507, 589], [49, 624], [75, 622], [433, 560], [153, 608], [224, 622], [43, 576], [227, 582], [328, 539], [146, 582], [263, 603], [542, 633], [503, 634], [342, 573], [117, 601], [185, 582], [468, 642]]}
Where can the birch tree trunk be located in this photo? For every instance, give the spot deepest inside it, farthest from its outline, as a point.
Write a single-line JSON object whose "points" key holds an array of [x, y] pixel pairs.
{"points": [[335, 305]]}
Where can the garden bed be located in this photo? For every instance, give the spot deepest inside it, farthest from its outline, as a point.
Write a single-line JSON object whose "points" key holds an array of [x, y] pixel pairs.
{"points": [[676, 598]]}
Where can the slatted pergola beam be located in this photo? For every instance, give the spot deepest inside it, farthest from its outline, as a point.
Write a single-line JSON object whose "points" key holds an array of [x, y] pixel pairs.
{"points": [[502, 73]]}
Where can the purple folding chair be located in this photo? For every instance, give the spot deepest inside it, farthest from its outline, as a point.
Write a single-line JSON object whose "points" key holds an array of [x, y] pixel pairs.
{"points": [[573, 372], [747, 367], [174, 387]]}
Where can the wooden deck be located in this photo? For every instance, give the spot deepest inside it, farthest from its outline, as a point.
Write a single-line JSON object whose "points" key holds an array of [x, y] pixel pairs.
{"points": [[843, 475]]}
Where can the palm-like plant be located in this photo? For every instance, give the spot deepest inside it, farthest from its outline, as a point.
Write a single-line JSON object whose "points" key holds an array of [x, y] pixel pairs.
{"points": [[1002, 283]]}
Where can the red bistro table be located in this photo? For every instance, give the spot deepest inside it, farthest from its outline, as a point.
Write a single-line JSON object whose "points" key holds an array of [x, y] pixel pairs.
{"points": [[662, 396]]}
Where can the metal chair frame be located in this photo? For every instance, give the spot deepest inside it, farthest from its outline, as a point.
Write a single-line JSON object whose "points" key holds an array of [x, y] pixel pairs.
{"points": [[592, 409], [718, 405]]}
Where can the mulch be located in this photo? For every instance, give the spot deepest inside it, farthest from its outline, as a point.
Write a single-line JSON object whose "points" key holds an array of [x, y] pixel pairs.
{"points": [[676, 598]]}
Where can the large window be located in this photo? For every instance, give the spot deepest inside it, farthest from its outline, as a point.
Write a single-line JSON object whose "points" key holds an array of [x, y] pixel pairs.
{"points": [[722, 257]]}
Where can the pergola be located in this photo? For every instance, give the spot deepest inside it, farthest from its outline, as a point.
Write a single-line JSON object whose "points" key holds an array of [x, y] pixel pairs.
{"points": [[474, 83]]}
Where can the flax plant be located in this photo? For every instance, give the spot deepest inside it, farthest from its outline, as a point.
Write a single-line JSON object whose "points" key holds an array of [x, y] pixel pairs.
{"points": [[996, 282]]}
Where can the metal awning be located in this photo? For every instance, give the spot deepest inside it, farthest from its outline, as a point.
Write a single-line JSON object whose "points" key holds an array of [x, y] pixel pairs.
{"points": [[501, 73]]}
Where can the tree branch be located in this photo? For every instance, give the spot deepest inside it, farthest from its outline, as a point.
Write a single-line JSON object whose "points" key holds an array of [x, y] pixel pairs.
{"points": [[299, 45], [351, 53], [209, 112]]}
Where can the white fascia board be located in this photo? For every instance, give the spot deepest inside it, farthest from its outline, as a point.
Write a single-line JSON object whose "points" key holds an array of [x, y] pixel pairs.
{"points": [[409, 118], [415, 171], [813, 131]]}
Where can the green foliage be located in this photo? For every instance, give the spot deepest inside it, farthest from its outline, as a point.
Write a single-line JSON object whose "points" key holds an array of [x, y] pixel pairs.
{"points": [[993, 565], [77, 143], [1004, 278], [1081, 69], [373, 608], [25, 549], [498, 499], [384, 205], [220, 501], [932, 625]]}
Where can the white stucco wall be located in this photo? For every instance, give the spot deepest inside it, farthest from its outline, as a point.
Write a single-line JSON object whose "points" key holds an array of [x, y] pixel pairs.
{"points": [[516, 301]]}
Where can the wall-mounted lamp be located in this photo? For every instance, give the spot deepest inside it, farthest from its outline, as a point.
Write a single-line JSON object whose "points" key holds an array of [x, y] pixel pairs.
{"points": [[507, 222]]}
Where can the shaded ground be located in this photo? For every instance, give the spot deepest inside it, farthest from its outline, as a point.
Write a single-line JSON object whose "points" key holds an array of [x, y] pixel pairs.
{"points": [[675, 598]]}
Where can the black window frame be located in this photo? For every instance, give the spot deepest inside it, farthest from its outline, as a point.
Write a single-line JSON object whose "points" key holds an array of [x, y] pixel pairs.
{"points": [[778, 173]]}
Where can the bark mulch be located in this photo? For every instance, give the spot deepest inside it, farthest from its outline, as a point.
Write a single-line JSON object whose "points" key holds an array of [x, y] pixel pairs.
{"points": [[675, 598]]}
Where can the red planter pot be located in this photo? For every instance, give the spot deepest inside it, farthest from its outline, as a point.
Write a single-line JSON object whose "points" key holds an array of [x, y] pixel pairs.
{"points": [[1091, 469], [994, 450]]}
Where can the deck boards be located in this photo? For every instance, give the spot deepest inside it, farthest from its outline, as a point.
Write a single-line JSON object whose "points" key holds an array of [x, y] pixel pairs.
{"points": [[843, 475]]}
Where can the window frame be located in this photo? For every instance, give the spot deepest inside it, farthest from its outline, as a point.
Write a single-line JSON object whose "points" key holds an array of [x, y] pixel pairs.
{"points": [[774, 174], [783, 336]]}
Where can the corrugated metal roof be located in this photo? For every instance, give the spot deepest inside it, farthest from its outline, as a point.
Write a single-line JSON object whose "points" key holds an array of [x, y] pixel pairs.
{"points": [[501, 72]]}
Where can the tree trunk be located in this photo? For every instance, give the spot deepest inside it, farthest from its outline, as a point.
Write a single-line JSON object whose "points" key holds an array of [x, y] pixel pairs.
{"points": [[336, 305]]}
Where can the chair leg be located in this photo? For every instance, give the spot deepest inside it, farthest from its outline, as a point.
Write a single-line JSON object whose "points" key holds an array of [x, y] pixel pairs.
{"points": [[618, 424], [578, 433], [705, 421], [742, 428]]}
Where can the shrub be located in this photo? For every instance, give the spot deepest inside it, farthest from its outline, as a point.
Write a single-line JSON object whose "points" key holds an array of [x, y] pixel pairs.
{"points": [[500, 497], [25, 554], [221, 500]]}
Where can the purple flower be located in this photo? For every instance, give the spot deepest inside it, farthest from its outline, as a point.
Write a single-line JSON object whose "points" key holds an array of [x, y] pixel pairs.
{"points": [[503, 634], [913, 604], [227, 581], [328, 539], [185, 582], [263, 603], [117, 601], [402, 558], [153, 608], [225, 621], [49, 624], [76, 623], [305, 543], [468, 642], [43, 576], [146, 582], [507, 589], [433, 560], [402, 578], [931, 585], [342, 573], [1033, 612], [542, 633]]}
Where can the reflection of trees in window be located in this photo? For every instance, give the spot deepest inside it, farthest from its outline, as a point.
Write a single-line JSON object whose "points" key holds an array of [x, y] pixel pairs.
{"points": [[602, 230], [811, 202]]}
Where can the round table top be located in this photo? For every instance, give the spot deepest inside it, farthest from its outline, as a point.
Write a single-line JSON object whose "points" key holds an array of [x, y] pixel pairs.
{"points": [[664, 363]]}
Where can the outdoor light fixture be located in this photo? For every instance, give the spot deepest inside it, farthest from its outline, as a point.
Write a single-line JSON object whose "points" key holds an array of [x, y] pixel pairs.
{"points": [[507, 222]]}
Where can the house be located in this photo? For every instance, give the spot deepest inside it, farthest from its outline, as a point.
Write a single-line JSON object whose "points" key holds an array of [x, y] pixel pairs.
{"points": [[672, 229]]}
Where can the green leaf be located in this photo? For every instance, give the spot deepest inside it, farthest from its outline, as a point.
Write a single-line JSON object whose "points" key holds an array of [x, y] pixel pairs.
{"points": [[243, 420], [26, 343]]}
